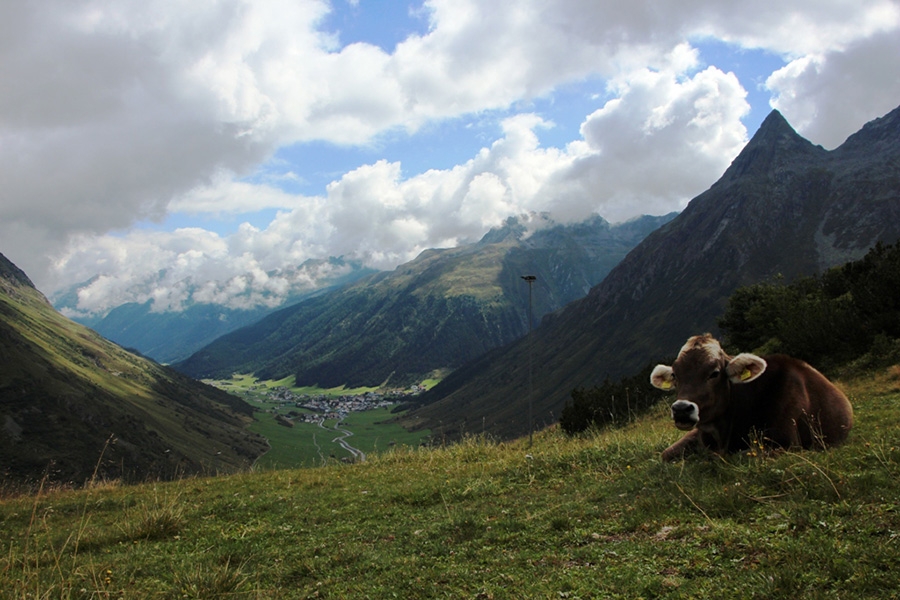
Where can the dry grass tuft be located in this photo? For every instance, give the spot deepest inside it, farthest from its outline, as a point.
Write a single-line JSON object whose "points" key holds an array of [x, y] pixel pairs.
{"points": [[894, 373]]}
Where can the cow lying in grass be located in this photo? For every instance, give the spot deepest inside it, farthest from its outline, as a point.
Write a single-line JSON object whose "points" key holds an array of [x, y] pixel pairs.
{"points": [[725, 403]]}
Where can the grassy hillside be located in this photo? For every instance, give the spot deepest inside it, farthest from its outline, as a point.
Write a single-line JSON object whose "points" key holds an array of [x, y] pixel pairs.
{"points": [[597, 516], [69, 396]]}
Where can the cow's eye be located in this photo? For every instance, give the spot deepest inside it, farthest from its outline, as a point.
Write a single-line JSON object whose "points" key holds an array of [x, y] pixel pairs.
{"points": [[714, 375]]}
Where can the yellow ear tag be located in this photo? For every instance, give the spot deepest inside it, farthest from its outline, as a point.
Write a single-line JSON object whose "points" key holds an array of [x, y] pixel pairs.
{"points": [[746, 375], [666, 385]]}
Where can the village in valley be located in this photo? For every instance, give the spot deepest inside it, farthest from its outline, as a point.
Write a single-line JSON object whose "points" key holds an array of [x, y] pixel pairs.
{"points": [[278, 399], [294, 420], [322, 406]]}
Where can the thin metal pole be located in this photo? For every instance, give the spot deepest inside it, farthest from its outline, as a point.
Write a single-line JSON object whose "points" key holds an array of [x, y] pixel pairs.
{"points": [[530, 279]]}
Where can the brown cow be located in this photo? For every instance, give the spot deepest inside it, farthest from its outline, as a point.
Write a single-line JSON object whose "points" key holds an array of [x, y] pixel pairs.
{"points": [[723, 401]]}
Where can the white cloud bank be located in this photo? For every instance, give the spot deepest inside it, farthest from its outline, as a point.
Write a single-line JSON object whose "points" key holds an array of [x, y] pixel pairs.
{"points": [[116, 112]]}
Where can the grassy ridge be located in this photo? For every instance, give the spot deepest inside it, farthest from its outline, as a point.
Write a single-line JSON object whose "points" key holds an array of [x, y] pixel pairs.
{"points": [[595, 516]]}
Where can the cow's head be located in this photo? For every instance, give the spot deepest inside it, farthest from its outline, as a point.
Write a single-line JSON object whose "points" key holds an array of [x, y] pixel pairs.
{"points": [[700, 377]]}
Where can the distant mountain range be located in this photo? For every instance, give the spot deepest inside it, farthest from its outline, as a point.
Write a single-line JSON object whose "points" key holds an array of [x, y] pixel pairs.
{"points": [[430, 315], [171, 335], [784, 207], [73, 404]]}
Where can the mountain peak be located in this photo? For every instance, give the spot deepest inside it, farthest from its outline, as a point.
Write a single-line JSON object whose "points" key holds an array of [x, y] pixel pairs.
{"points": [[775, 123], [511, 230], [13, 274], [775, 145]]}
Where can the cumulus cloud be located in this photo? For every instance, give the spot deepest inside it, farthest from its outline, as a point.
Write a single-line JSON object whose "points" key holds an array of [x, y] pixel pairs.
{"points": [[661, 141], [686, 123], [173, 270], [827, 96], [118, 112]]}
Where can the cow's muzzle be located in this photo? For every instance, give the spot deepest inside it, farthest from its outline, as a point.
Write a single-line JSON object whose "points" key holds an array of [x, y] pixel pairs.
{"points": [[685, 414]]}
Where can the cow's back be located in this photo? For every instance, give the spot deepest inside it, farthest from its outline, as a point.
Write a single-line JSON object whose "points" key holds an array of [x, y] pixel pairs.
{"points": [[792, 403], [831, 409]]}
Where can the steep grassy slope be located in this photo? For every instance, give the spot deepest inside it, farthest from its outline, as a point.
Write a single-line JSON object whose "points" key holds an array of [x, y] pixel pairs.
{"points": [[591, 517], [73, 404], [784, 207]]}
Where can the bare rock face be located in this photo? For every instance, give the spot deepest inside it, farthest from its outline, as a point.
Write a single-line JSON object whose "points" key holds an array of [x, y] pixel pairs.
{"points": [[13, 274], [784, 207]]}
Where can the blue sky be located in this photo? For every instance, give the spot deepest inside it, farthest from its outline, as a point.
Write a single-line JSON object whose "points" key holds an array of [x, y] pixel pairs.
{"points": [[384, 24], [156, 149]]}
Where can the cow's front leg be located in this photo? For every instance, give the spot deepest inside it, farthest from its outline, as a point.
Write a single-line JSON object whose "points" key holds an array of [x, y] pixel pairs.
{"points": [[690, 442]]}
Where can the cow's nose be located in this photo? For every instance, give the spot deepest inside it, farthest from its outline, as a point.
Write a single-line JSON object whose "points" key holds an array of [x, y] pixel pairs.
{"points": [[685, 414], [682, 407]]}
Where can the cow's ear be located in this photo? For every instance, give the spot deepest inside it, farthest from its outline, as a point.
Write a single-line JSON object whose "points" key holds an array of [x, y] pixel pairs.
{"points": [[662, 377], [744, 368]]}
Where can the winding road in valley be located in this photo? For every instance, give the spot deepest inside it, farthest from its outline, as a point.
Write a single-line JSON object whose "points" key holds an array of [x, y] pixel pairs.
{"points": [[357, 454]]}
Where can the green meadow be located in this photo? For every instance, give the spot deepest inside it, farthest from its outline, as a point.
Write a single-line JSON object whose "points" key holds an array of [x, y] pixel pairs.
{"points": [[308, 445], [592, 516], [311, 445]]}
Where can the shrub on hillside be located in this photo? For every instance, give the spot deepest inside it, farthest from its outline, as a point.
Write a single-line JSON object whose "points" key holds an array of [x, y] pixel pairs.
{"points": [[612, 403], [828, 320]]}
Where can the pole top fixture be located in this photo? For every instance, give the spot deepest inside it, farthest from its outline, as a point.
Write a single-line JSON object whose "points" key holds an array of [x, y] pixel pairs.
{"points": [[529, 278]]}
